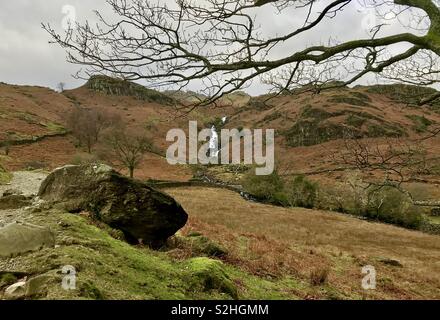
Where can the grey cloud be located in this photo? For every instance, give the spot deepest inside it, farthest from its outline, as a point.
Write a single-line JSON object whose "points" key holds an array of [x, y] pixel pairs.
{"points": [[27, 58]]}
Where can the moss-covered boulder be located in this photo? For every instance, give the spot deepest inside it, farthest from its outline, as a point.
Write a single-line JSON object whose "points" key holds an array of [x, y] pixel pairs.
{"points": [[207, 274], [139, 211]]}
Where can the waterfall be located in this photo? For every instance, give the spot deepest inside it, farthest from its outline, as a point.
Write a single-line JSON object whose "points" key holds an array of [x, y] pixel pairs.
{"points": [[213, 143]]}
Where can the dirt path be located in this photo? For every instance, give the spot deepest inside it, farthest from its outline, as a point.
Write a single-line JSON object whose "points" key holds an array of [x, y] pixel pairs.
{"points": [[27, 182]]}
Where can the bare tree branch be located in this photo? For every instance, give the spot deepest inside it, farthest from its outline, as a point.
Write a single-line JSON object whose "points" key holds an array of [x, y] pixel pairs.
{"points": [[219, 43]]}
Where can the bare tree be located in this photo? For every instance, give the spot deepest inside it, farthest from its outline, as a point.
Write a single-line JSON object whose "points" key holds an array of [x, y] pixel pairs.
{"points": [[86, 125], [221, 43], [61, 86], [128, 147], [391, 163]]}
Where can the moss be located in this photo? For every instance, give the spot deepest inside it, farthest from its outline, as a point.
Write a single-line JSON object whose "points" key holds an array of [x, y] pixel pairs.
{"points": [[89, 290], [5, 176], [54, 127], [107, 268], [208, 274], [201, 246], [7, 279], [27, 117]]}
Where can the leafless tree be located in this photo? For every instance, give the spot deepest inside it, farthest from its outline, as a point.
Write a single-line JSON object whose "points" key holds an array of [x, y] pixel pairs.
{"points": [[391, 162], [86, 125], [127, 146], [61, 86], [221, 43]]}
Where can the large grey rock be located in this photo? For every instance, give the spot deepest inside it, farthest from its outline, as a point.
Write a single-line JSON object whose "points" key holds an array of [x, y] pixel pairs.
{"points": [[131, 206], [18, 238]]}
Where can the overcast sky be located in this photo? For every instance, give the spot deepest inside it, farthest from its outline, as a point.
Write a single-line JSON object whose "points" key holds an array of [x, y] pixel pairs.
{"points": [[27, 58]]}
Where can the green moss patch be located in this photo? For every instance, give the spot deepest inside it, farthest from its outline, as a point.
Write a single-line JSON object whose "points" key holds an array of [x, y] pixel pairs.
{"points": [[107, 268], [5, 176]]}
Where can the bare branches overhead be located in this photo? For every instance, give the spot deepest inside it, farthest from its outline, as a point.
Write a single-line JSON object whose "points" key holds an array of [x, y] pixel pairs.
{"points": [[222, 45]]}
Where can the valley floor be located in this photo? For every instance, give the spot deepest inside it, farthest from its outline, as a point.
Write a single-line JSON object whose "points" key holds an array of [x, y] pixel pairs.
{"points": [[273, 241], [271, 253]]}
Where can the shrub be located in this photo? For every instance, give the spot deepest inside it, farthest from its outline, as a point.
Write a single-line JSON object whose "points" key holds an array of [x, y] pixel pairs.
{"points": [[198, 170], [5, 176], [319, 276], [386, 204], [83, 159], [421, 123], [268, 188], [35, 165], [152, 123], [301, 192], [391, 205]]}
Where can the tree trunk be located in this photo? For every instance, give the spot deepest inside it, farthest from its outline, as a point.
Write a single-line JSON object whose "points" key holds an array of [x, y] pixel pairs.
{"points": [[131, 169]]}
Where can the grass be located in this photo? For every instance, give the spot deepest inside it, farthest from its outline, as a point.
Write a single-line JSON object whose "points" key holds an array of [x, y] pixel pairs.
{"points": [[54, 127], [5, 176], [421, 123], [315, 126], [283, 243], [108, 268], [434, 219]]}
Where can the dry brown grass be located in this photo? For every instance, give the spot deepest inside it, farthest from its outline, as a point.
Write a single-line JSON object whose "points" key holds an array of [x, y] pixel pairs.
{"points": [[275, 241]]}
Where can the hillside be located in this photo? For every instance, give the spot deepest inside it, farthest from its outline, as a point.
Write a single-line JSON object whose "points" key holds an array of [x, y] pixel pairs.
{"points": [[230, 249], [264, 251]]}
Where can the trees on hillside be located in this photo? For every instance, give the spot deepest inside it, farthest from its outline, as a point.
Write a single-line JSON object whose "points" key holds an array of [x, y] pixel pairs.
{"points": [[86, 125], [227, 44], [127, 146]]}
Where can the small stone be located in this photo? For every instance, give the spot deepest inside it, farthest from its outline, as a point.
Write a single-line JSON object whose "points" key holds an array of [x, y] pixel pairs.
{"points": [[391, 262], [17, 290]]}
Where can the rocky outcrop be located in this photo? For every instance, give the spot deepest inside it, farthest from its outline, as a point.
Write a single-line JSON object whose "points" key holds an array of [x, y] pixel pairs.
{"points": [[141, 212], [120, 87], [18, 238]]}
